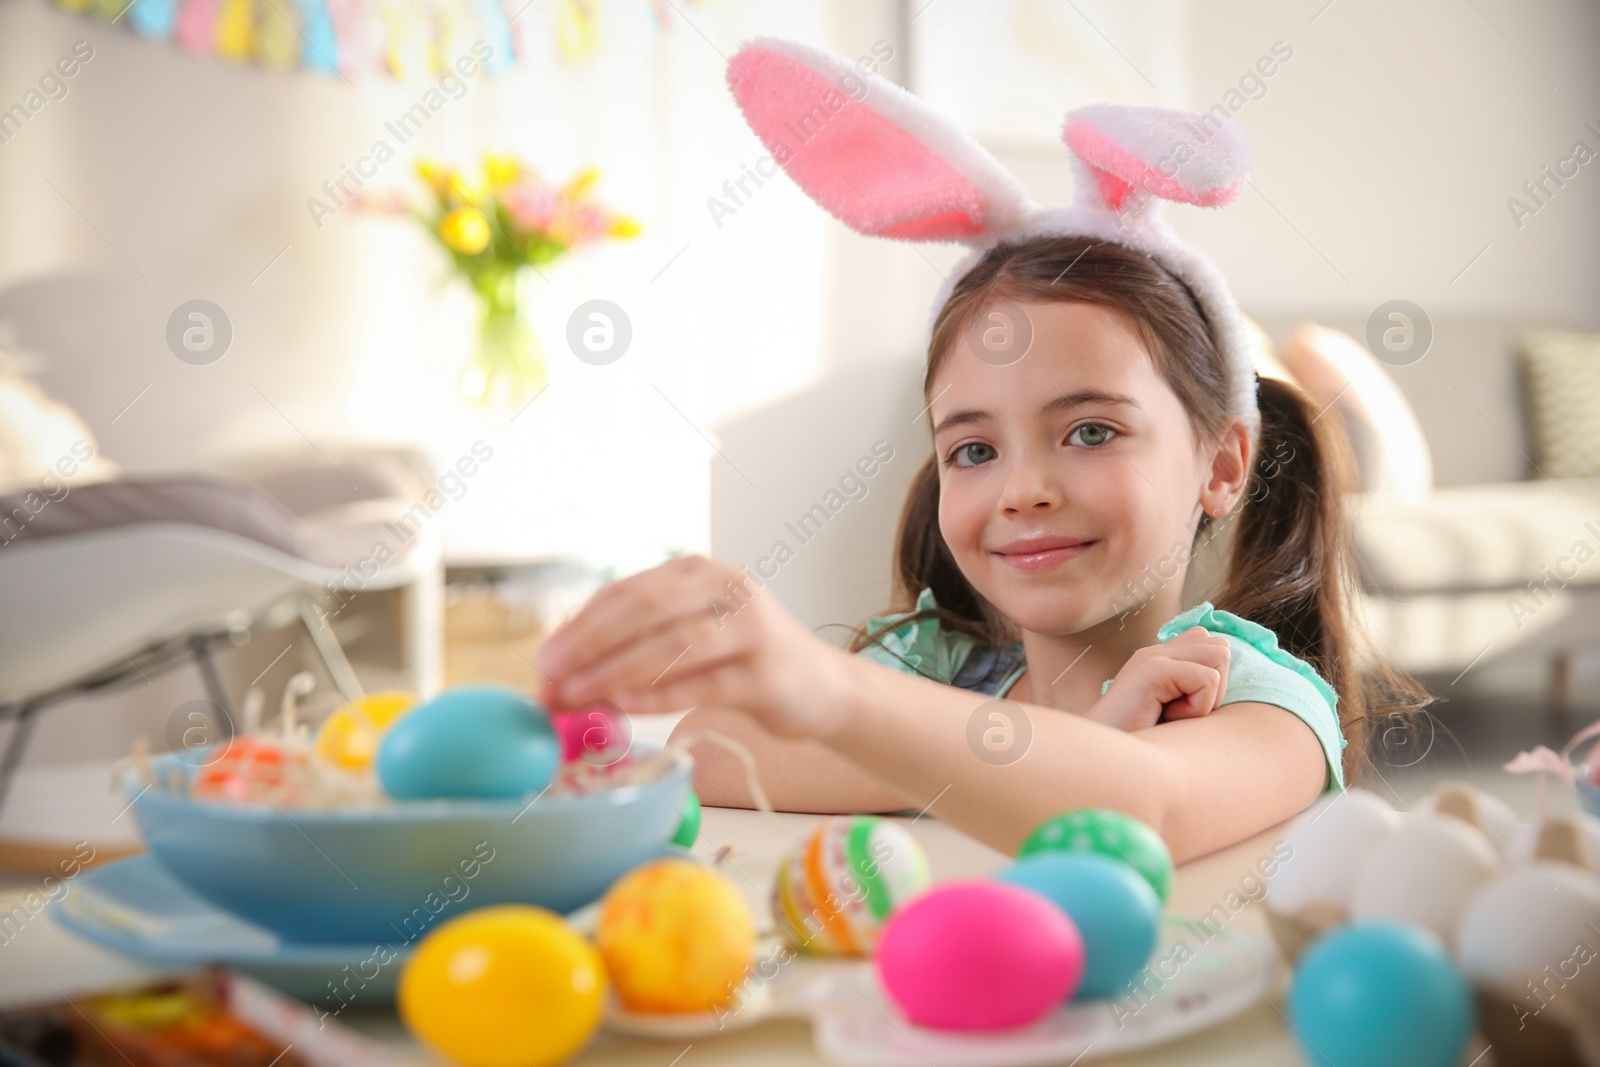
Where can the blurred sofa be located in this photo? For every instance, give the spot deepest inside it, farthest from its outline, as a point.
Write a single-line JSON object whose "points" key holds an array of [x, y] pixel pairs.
{"points": [[1474, 558]]}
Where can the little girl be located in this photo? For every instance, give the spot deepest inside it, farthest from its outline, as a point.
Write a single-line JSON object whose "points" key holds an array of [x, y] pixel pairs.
{"points": [[1041, 660]]}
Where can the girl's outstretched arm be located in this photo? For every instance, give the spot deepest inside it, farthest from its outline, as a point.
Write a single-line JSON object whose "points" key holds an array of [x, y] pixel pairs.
{"points": [[796, 775], [678, 636]]}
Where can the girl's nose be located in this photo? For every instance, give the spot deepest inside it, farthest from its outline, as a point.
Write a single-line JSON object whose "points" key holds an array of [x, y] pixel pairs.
{"points": [[1029, 486]]}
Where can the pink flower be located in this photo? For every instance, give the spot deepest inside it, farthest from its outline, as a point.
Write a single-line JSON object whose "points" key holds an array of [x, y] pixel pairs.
{"points": [[533, 208], [590, 222], [1541, 760]]}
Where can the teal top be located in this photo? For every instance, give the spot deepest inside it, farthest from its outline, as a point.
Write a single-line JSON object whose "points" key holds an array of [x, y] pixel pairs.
{"points": [[1258, 670]]}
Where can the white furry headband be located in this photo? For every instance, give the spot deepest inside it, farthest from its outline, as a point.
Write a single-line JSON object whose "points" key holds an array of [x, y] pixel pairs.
{"points": [[883, 163]]}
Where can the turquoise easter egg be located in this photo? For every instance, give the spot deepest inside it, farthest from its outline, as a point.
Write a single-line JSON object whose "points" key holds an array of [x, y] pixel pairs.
{"points": [[1380, 994], [1110, 833], [1113, 907], [485, 741]]}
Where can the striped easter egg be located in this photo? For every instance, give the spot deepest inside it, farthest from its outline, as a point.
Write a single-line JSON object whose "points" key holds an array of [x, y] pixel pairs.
{"points": [[838, 885]]}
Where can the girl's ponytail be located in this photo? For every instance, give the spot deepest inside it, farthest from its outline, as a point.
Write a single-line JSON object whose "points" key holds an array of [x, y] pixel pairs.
{"points": [[1291, 542], [1291, 567]]}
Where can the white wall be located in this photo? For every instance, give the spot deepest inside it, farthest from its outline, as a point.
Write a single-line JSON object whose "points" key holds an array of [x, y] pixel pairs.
{"points": [[1386, 149], [1391, 142]]}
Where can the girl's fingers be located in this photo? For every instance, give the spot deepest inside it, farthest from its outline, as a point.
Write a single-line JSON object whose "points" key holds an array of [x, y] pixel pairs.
{"points": [[671, 653], [1194, 690], [624, 611], [1198, 645], [1181, 708], [707, 687], [616, 615]]}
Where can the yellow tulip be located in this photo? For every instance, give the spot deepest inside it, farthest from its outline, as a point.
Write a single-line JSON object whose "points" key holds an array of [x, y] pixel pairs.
{"points": [[465, 230], [582, 181], [622, 226], [464, 188], [434, 175], [500, 169]]}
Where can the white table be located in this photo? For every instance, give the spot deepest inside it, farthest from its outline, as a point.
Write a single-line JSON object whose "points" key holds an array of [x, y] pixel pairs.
{"points": [[41, 957]]}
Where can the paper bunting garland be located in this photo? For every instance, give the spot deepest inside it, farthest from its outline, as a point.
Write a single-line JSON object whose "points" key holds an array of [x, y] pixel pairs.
{"points": [[404, 39]]}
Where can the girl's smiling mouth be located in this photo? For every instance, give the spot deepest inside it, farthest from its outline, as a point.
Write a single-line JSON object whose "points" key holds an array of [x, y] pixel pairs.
{"points": [[1042, 553]]}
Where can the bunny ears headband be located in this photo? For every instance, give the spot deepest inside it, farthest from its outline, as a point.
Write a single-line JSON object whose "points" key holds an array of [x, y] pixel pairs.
{"points": [[882, 162]]}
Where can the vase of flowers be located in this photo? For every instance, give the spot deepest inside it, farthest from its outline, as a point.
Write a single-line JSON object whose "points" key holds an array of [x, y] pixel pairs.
{"points": [[501, 227]]}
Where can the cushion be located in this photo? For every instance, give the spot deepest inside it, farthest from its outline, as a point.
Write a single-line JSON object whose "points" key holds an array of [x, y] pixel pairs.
{"points": [[1267, 363], [222, 504], [1338, 372], [347, 538], [43, 443], [1475, 537], [1562, 373]]}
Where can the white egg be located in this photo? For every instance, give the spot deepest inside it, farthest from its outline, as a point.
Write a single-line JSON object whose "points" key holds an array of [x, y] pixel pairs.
{"points": [[1324, 846], [1493, 816], [1424, 873], [1534, 934]]}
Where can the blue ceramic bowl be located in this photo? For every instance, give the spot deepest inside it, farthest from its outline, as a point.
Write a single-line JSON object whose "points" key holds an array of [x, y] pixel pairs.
{"points": [[383, 875]]}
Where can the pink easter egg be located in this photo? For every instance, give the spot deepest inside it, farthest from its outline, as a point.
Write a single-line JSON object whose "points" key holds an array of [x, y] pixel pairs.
{"points": [[980, 955], [596, 728]]}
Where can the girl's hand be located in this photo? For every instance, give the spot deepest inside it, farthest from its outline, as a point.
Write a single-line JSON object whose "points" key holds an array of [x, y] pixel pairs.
{"points": [[688, 632], [1182, 678]]}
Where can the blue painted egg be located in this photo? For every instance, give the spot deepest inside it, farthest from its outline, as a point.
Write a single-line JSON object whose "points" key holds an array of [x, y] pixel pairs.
{"points": [[485, 741], [1114, 908], [1380, 994]]}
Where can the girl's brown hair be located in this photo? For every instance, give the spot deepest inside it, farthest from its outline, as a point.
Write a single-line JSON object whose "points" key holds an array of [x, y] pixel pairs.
{"points": [[1291, 568]]}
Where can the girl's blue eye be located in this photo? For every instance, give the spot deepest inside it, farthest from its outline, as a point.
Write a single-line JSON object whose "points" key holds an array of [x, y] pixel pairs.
{"points": [[1089, 435], [1098, 432], [950, 460]]}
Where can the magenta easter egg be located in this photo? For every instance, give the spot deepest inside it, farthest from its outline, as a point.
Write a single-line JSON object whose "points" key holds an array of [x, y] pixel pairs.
{"points": [[596, 732], [979, 955]]}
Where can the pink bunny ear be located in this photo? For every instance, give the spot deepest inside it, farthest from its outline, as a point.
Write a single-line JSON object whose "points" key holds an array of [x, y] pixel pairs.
{"points": [[871, 154], [1184, 156]]}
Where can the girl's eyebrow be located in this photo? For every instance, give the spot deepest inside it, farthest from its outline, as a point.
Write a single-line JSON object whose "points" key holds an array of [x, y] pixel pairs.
{"points": [[1065, 400]]}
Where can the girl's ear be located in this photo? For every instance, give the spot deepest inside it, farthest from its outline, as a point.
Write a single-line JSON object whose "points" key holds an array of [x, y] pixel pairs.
{"points": [[870, 153], [1185, 156]]}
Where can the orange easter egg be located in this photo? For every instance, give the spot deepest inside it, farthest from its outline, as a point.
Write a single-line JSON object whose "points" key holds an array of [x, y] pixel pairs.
{"points": [[676, 937]]}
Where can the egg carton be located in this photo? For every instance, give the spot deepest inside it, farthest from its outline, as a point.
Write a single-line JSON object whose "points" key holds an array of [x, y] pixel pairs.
{"points": [[1516, 904]]}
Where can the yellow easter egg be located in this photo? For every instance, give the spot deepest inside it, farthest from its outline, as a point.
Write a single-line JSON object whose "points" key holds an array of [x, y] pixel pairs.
{"points": [[676, 936], [349, 737], [503, 986]]}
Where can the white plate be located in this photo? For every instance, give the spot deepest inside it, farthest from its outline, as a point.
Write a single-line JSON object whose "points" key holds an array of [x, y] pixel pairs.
{"points": [[1189, 985]]}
